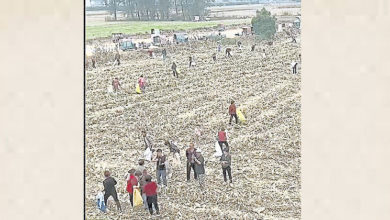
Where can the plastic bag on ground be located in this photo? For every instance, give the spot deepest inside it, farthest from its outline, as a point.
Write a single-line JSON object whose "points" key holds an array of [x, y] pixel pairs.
{"points": [[100, 202], [218, 151]]}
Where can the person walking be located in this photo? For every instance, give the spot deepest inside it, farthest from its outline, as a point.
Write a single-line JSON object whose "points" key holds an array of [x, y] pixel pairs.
{"points": [[226, 161], [219, 47], [232, 112], [190, 154], [174, 70], [150, 190], [227, 52], [161, 168], [110, 190], [222, 138], [131, 182], [294, 67], [199, 167]]}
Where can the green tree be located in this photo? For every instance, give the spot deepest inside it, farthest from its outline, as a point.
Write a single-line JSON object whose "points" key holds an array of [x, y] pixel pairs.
{"points": [[264, 24]]}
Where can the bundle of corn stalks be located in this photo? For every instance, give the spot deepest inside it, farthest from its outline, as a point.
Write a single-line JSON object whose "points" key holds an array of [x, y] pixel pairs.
{"points": [[265, 151]]}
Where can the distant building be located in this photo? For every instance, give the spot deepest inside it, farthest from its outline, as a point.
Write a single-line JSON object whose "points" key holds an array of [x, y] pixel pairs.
{"points": [[95, 3]]}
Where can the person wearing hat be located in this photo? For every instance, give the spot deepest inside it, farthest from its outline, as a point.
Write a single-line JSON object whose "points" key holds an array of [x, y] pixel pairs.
{"points": [[109, 189], [226, 161], [199, 167], [161, 168]]}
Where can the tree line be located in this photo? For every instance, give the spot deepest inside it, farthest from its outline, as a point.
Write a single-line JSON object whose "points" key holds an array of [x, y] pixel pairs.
{"points": [[158, 9]]}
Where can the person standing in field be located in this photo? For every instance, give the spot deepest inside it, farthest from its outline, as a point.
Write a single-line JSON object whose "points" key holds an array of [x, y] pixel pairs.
{"points": [[117, 58], [219, 47], [215, 57], [222, 138], [198, 135], [232, 112], [174, 70], [226, 161], [110, 190], [294, 67], [147, 141], [150, 190], [164, 53], [131, 182], [190, 154], [116, 84], [190, 58], [199, 167], [161, 168], [142, 183], [142, 83], [93, 62], [253, 47]]}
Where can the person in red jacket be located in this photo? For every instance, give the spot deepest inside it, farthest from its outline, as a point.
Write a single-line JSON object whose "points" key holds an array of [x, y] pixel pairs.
{"points": [[131, 182], [150, 190], [222, 138], [232, 112]]}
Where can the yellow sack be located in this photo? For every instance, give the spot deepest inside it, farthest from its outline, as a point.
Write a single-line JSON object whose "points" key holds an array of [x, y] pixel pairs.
{"points": [[241, 116], [138, 89], [137, 198]]}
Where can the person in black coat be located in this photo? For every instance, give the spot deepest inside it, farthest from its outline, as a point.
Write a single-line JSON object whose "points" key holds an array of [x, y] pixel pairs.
{"points": [[110, 190]]}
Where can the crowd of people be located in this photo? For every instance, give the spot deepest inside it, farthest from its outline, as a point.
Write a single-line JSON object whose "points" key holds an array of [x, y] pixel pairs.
{"points": [[140, 180]]}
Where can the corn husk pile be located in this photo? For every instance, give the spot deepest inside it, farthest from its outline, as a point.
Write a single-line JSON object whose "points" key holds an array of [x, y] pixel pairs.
{"points": [[265, 151]]}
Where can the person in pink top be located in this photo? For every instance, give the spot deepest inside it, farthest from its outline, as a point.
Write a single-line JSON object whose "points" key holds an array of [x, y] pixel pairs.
{"points": [[142, 83]]}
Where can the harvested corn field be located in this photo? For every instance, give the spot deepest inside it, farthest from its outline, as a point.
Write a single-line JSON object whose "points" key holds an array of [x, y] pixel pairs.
{"points": [[265, 151]]}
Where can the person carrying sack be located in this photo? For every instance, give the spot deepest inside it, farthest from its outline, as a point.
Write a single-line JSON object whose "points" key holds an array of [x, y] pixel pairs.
{"points": [[226, 161], [131, 182]]}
